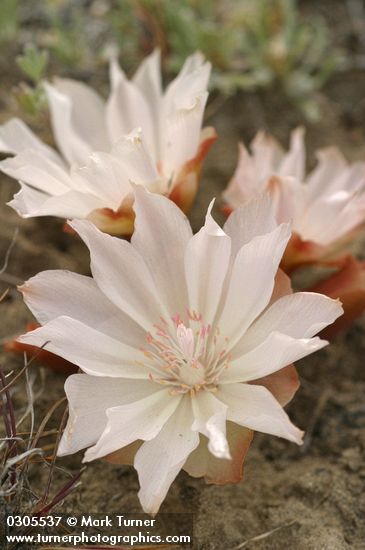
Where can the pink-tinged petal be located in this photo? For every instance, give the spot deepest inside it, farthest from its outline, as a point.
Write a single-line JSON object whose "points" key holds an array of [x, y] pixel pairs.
{"points": [[299, 315], [39, 171], [29, 202], [89, 397], [252, 219], [53, 293], [210, 416], [221, 471], [283, 384], [185, 184], [93, 351], [244, 185], [73, 147], [293, 163], [274, 353], [132, 288], [287, 195], [161, 235], [255, 269], [348, 285], [331, 163], [127, 109], [160, 460], [16, 137], [254, 407], [267, 154], [87, 112], [142, 419], [329, 219], [206, 262]]}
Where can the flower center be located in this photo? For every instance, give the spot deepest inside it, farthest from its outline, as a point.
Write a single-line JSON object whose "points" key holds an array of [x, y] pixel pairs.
{"points": [[188, 356]]}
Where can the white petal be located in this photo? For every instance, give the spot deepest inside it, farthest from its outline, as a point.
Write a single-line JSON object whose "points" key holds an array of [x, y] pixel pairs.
{"points": [[190, 83], [73, 147], [181, 136], [206, 263], [252, 281], [148, 77], [255, 407], [39, 171], [122, 275], [15, 137], [127, 109], [182, 114], [91, 350], [293, 163], [142, 419], [210, 419], [29, 202], [89, 397], [275, 352], [254, 218], [51, 294], [88, 112], [299, 315], [104, 176], [159, 461], [136, 160], [161, 234], [148, 80]]}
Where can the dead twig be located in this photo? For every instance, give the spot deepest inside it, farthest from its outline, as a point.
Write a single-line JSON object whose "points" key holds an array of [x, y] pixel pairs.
{"points": [[321, 403]]}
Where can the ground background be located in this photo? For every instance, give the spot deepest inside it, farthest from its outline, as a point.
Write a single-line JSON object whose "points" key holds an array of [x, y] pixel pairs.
{"points": [[315, 495]]}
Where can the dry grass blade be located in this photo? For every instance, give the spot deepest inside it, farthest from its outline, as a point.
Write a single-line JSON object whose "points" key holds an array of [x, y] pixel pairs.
{"points": [[264, 535], [8, 252], [23, 369]]}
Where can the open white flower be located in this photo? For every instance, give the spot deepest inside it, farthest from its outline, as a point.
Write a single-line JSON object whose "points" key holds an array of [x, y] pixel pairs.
{"points": [[92, 176], [324, 206], [184, 341]]}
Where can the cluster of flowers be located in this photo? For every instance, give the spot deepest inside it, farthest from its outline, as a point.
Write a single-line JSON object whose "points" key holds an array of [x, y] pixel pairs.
{"points": [[185, 342]]}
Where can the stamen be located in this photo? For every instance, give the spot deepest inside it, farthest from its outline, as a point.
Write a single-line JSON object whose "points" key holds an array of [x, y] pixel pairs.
{"points": [[187, 357]]}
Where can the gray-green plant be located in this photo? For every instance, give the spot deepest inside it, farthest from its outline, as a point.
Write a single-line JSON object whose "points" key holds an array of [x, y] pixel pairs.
{"points": [[8, 20], [30, 95]]}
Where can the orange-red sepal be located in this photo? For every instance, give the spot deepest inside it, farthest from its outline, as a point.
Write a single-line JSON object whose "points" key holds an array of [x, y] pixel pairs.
{"points": [[348, 285]]}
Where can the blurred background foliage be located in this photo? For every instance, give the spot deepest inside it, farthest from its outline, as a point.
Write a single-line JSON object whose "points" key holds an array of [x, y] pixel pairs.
{"points": [[253, 45]]}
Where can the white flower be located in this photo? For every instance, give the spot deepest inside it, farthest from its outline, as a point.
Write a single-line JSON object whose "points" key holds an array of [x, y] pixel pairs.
{"points": [[323, 206], [141, 135], [183, 340]]}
